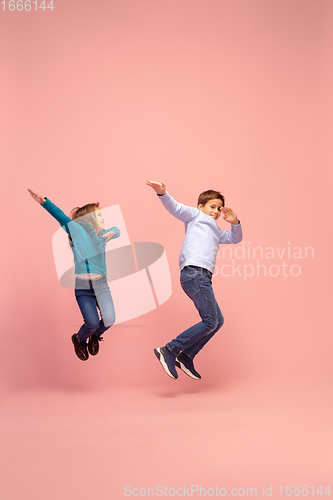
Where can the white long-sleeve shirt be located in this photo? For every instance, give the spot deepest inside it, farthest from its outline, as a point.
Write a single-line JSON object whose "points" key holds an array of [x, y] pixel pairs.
{"points": [[202, 235]]}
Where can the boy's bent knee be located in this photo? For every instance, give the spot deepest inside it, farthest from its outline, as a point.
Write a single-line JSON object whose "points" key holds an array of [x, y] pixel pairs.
{"points": [[214, 323], [211, 324]]}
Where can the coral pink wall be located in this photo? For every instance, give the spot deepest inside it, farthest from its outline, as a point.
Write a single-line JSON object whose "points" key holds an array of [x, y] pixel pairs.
{"points": [[229, 95]]}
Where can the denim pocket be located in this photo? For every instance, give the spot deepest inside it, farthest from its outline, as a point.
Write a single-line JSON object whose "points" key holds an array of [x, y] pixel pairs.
{"points": [[189, 285], [81, 285]]}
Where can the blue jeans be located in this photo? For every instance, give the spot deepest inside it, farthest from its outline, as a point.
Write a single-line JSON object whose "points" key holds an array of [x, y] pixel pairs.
{"points": [[197, 284], [90, 295]]}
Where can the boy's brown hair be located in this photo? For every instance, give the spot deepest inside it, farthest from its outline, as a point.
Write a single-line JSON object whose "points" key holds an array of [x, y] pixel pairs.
{"points": [[210, 195]]}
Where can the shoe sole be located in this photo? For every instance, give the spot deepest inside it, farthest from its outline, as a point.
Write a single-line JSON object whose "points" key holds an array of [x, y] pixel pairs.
{"points": [[180, 365], [160, 357], [82, 359]]}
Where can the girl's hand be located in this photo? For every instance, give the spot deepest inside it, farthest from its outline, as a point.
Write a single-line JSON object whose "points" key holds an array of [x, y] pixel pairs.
{"points": [[108, 236], [229, 215], [158, 187], [37, 197]]}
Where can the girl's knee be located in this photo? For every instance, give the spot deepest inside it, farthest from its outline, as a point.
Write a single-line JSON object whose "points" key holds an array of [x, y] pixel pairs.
{"points": [[108, 321]]}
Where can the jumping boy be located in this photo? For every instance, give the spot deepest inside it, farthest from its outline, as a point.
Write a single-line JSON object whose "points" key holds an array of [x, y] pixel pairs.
{"points": [[197, 263]]}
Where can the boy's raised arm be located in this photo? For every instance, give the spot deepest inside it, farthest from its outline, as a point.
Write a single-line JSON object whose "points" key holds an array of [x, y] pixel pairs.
{"points": [[178, 210], [235, 235], [158, 187]]}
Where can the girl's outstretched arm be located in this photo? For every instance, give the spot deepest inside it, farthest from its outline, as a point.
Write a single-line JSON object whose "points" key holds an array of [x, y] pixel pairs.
{"points": [[111, 233], [108, 236], [37, 197], [66, 222]]}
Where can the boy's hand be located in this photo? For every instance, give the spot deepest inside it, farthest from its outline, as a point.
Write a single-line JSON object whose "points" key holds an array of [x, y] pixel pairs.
{"points": [[108, 236], [37, 197], [158, 187], [229, 215]]}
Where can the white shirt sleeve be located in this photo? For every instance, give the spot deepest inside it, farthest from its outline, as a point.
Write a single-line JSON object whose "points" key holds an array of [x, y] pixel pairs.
{"points": [[234, 236], [178, 210]]}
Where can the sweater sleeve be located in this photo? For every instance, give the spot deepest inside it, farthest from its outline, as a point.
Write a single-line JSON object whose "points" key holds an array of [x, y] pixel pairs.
{"points": [[234, 236], [66, 222], [115, 230], [178, 210]]}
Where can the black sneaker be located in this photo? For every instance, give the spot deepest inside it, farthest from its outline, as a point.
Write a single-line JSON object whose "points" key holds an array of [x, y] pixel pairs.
{"points": [[80, 348], [186, 364], [167, 360], [93, 344]]}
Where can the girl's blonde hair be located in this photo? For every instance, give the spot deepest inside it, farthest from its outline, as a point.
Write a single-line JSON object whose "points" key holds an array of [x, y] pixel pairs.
{"points": [[87, 215]]}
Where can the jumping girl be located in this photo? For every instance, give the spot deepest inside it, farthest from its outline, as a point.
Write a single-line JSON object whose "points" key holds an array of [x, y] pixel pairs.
{"points": [[87, 238]]}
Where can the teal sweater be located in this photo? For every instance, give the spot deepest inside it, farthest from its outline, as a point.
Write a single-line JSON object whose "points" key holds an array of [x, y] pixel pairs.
{"points": [[88, 248]]}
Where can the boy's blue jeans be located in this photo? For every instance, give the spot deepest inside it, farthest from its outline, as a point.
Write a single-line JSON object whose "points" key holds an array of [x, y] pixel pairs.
{"points": [[197, 284], [90, 295]]}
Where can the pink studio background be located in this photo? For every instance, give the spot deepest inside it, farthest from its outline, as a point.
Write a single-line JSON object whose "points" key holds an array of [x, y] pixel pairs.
{"points": [[230, 95]]}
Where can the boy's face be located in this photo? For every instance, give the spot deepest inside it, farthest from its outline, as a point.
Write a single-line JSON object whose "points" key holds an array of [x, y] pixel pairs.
{"points": [[212, 208]]}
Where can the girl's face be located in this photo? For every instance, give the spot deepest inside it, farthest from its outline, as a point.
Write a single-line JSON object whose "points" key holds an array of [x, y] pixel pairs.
{"points": [[99, 218]]}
